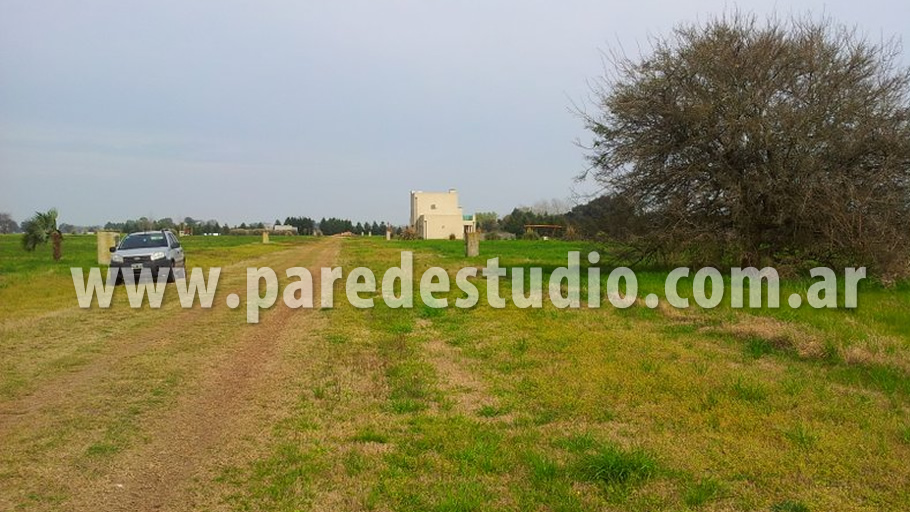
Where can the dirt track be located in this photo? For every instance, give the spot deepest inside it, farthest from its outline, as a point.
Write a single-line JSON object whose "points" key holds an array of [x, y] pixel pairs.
{"points": [[230, 389]]}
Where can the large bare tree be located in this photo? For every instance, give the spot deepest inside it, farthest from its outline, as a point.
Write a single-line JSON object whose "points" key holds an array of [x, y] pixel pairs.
{"points": [[753, 139]]}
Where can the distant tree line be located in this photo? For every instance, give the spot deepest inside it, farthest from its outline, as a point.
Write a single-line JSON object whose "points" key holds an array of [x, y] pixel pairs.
{"points": [[304, 225], [188, 224], [516, 221], [334, 226], [520, 217]]}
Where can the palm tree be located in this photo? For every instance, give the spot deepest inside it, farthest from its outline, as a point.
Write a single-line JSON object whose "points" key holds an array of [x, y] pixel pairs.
{"points": [[38, 229]]}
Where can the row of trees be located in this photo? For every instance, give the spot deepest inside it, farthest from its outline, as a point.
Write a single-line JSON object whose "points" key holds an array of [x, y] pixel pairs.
{"points": [[334, 226], [304, 225], [542, 212], [188, 224], [515, 221]]}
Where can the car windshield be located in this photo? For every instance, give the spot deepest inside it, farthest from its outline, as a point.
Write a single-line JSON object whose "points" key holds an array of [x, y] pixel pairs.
{"points": [[144, 240]]}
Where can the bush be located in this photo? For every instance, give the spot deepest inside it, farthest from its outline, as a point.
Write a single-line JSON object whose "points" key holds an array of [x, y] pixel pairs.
{"points": [[408, 233]]}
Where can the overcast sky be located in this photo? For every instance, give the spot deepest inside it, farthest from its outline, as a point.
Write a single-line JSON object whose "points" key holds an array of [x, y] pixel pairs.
{"points": [[256, 110]]}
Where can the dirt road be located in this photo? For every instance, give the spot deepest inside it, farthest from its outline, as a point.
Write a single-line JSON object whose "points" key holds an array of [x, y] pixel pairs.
{"points": [[152, 403]]}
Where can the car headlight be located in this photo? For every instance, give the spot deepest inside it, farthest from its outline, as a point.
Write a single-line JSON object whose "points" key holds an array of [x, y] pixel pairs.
{"points": [[157, 255], [117, 258]]}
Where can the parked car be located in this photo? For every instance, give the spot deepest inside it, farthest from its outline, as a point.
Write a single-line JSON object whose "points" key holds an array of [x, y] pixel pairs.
{"points": [[149, 249]]}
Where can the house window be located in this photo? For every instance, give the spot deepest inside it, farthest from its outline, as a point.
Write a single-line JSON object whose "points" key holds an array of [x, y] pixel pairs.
{"points": [[432, 206]]}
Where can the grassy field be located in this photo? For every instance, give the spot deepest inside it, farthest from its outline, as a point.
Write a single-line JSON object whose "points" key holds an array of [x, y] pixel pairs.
{"points": [[444, 409], [48, 285]]}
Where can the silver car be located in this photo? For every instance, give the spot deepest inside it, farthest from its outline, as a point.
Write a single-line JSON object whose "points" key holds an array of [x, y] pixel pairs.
{"points": [[153, 250]]}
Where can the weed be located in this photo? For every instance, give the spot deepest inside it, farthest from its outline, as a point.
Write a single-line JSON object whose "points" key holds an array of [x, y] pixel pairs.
{"points": [[789, 506], [615, 466], [580, 443], [354, 463], [905, 434], [406, 405], [370, 436], [801, 436], [542, 468], [102, 449], [425, 311], [489, 411], [336, 338], [703, 491], [707, 401], [520, 347], [748, 391], [757, 347]]}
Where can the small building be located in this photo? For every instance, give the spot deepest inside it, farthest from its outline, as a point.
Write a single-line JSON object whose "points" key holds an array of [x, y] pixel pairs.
{"points": [[437, 215], [284, 229]]}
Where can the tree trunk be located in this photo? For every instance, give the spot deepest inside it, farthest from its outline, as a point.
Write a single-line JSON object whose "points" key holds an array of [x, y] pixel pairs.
{"points": [[56, 240]]}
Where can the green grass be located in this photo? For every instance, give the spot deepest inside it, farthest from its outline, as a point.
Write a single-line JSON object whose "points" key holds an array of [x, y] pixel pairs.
{"points": [[675, 387], [540, 409], [281, 481]]}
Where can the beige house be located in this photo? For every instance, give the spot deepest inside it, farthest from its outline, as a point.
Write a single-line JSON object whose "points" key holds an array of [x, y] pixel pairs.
{"points": [[437, 215]]}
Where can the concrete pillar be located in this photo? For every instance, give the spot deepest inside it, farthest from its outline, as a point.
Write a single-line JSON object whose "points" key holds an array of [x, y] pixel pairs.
{"points": [[388, 234], [106, 240], [471, 244], [265, 237]]}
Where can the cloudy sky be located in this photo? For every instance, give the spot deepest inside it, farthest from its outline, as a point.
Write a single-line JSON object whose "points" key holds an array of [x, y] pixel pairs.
{"points": [[256, 110]]}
